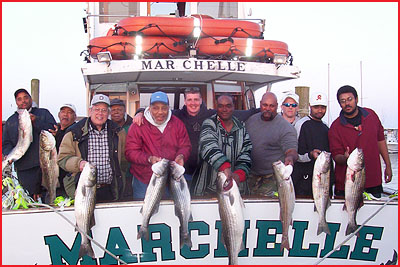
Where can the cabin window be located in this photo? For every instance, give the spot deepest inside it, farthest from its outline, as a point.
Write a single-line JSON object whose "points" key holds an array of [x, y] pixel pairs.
{"points": [[117, 8], [170, 8], [218, 9]]}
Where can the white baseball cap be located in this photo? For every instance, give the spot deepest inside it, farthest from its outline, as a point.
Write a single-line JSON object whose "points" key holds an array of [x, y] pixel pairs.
{"points": [[100, 98], [318, 99], [68, 106], [292, 95]]}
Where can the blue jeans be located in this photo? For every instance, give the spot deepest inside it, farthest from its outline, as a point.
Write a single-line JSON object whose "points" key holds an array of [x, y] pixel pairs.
{"points": [[139, 189]]}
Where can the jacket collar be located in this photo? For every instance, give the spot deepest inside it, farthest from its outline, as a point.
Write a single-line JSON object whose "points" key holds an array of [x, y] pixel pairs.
{"points": [[363, 111]]}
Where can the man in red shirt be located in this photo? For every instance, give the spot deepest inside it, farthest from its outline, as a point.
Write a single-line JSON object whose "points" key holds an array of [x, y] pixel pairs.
{"points": [[162, 135], [358, 127]]}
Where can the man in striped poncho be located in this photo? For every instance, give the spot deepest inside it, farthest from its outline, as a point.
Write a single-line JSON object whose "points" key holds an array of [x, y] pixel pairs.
{"points": [[224, 145]]}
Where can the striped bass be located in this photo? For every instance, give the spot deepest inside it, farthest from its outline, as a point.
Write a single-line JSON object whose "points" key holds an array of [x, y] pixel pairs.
{"points": [[320, 189], [25, 138], [85, 200], [180, 194], [287, 198], [231, 207], [48, 164], [354, 187], [154, 192]]}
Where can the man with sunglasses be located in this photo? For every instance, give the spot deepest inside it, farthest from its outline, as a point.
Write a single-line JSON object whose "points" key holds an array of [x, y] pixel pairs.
{"points": [[358, 127], [312, 135], [290, 107], [100, 141]]}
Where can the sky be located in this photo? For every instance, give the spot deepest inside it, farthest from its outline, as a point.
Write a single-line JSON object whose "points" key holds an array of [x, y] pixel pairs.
{"points": [[357, 42]]}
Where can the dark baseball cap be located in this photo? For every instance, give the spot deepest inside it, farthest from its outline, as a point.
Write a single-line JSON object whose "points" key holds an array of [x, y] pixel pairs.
{"points": [[117, 101], [20, 90]]}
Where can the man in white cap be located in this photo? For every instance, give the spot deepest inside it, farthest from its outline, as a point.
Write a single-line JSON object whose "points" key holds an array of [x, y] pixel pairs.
{"points": [[67, 117], [97, 140], [312, 135], [290, 107]]}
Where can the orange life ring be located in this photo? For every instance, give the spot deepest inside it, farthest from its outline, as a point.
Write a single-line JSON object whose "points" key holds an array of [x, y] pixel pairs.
{"points": [[124, 47], [183, 26], [221, 46]]}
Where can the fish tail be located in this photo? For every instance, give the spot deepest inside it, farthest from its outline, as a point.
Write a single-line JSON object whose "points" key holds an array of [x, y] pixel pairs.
{"points": [[185, 239], [86, 249], [143, 233], [351, 227], [233, 260], [323, 227], [285, 243]]}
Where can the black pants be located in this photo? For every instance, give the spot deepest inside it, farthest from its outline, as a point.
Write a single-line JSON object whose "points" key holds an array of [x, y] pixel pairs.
{"points": [[104, 194], [31, 180]]}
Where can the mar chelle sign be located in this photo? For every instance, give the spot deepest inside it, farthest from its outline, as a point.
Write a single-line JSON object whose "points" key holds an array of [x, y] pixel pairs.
{"points": [[49, 239]]}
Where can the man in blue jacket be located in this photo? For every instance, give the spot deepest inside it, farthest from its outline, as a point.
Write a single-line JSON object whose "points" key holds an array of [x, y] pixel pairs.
{"points": [[27, 167]]}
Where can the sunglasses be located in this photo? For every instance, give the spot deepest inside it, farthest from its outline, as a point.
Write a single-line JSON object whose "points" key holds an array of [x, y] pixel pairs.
{"points": [[288, 105]]}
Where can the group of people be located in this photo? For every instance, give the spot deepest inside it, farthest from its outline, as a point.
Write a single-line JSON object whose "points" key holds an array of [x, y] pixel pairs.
{"points": [[242, 144]]}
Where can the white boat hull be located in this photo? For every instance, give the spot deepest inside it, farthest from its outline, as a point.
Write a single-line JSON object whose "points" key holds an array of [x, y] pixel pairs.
{"points": [[40, 236]]}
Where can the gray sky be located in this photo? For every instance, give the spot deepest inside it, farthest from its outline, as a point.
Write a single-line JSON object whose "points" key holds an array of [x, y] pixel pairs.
{"points": [[44, 40]]}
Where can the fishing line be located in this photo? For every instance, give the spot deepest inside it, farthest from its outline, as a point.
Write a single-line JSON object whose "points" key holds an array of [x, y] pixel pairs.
{"points": [[355, 232], [80, 231]]}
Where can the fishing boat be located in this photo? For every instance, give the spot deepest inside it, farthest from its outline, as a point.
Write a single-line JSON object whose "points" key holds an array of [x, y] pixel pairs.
{"points": [[121, 67]]}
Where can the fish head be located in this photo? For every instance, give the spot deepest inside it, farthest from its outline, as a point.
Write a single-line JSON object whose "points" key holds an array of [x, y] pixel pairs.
{"points": [[355, 161], [282, 171], [176, 170], [89, 171], [223, 184], [322, 163], [47, 140], [160, 167], [24, 118]]}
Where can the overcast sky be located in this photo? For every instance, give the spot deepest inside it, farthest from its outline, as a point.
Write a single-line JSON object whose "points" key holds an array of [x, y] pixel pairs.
{"points": [[44, 41]]}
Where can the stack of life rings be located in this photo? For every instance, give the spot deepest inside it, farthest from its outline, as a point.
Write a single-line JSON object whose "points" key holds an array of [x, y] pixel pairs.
{"points": [[173, 37]]}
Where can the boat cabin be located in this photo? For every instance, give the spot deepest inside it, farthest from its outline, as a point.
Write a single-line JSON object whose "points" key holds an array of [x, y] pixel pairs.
{"points": [[137, 48]]}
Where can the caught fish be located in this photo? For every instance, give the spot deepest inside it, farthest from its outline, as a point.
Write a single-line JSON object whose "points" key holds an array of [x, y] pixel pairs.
{"points": [[25, 138], [354, 187], [286, 198], [180, 194], [230, 205], [85, 198], [153, 195], [48, 164], [320, 189]]}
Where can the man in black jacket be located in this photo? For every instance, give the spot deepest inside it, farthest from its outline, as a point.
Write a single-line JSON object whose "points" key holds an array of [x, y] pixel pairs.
{"points": [[27, 167], [312, 134]]}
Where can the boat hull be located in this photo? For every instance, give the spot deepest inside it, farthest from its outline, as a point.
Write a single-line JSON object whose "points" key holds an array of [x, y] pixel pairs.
{"points": [[54, 240]]}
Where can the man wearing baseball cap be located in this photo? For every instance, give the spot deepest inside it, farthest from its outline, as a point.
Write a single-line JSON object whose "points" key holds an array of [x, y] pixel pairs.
{"points": [[67, 117], [120, 117], [162, 135], [312, 135], [99, 141], [27, 167], [290, 107]]}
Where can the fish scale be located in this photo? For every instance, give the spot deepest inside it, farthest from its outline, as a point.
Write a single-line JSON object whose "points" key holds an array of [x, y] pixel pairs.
{"points": [[181, 196], [154, 192], [320, 189], [230, 206], [85, 199], [354, 187]]}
